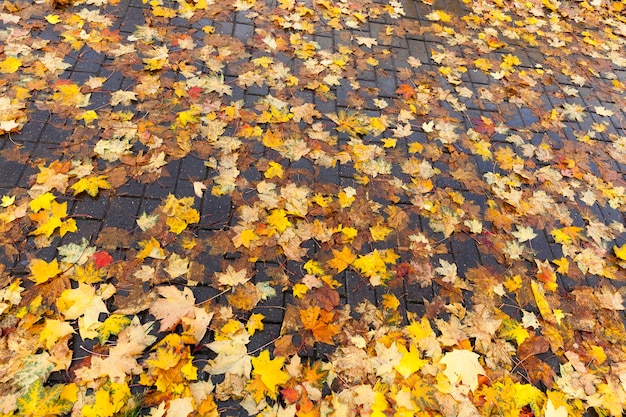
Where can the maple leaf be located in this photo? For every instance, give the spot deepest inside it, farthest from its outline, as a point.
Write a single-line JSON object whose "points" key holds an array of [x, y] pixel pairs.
{"points": [[545, 274], [91, 185], [150, 248], [180, 213], [112, 326], [231, 277], [620, 252], [379, 232], [53, 331], [147, 221], [10, 65], [174, 305], [278, 220], [40, 401], [462, 367], [574, 111], [232, 355], [177, 266], [109, 400], [86, 305], [320, 323], [52, 218], [69, 94], [524, 233], [244, 238], [567, 235], [411, 361], [102, 259], [255, 322], [275, 170], [342, 259], [270, 372], [42, 271]]}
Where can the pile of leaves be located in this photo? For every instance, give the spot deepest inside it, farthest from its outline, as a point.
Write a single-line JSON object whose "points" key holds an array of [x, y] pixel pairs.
{"points": [[504, 137]]}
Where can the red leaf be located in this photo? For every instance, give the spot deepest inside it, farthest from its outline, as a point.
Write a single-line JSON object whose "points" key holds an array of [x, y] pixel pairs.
{"points": [[290, 395], [102, 259], [194, 92], [406, 91]]}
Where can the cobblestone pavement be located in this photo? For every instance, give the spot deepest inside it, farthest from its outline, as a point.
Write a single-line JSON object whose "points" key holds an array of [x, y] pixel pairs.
{"points": [[555, 122]]}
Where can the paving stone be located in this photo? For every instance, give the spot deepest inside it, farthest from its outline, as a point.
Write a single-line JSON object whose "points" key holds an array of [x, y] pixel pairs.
{"points": [[132, 187], [88, 61], [122, 213], [465, 253], [216, 211], [243, 32], [165, 185], [133, 17], [87, 229], [10, 173], [264, 339], [420, 50], [90, 207], [387, 86], [358, 289]]}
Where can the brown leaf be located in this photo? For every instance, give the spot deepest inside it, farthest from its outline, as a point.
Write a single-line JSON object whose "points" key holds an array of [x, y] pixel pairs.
{"points": [[532, 346]]}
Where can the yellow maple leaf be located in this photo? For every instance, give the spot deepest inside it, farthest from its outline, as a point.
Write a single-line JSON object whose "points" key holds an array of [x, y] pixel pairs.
{"points": [[342, 259], [389, 142], [255, 322], [87, 116], [416, 147], [275, 170], [51, 218], [509, 61], [53, 331], [620, 251], [41, 271], [483, 64], [180, 213], [299, 290], [91, 185], [109, 400], [419, 330], [70, 95], [379, 232], [278, 220], [346, 197], [88, 273], [53, 19], [41, 202], [10, 65], [272, 139], [150, 249], [566, 235], [390, 302], [244, 238], [349, 233], [411, 361], [313, 267], [563, 265], [7, 201], [112, 326], [270, 371]]}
